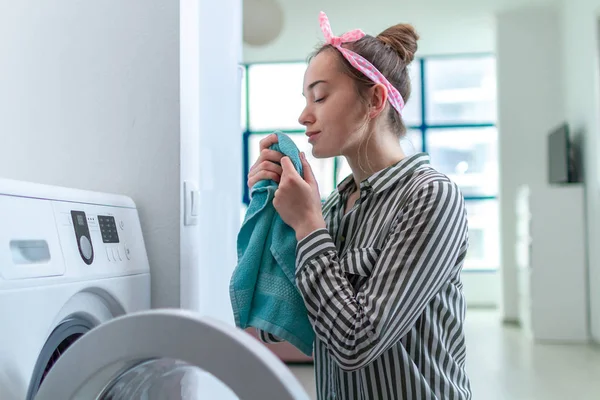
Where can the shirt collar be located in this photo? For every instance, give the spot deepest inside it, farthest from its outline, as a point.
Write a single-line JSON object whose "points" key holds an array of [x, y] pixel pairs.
{"points": [[388, 177]]}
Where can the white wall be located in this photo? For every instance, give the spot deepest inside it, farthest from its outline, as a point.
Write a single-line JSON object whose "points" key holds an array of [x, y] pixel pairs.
{"points": [[447, 30], [211, 158], [582, 103], [445, 27], [530, 105], [211, 151], [89, 98]]}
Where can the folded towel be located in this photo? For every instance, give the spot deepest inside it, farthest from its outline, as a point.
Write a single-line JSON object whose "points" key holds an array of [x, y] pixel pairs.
{"points": [[263, 288]]}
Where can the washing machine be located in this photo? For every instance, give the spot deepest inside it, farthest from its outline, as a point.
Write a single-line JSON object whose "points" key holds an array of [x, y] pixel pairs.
{"points": [[70, 260], [75, 318]]}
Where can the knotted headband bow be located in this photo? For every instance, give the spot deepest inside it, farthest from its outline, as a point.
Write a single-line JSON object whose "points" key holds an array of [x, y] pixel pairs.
{"points": [[359, 62]]}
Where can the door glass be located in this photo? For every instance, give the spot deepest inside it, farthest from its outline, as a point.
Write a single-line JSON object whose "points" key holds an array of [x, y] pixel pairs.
{"points": [[163, 379]]}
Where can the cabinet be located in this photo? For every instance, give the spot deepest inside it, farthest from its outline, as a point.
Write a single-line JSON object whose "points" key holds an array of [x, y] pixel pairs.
{"points": [[552, 269]]}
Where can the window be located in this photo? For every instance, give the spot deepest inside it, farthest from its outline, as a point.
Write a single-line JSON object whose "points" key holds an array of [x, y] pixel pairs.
{"points": [[460, 90], [468, 156], [275, 96], [451, 115]]}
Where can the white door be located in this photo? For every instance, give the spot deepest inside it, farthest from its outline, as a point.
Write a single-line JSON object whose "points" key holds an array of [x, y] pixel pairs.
{"points": [[158, 354]]}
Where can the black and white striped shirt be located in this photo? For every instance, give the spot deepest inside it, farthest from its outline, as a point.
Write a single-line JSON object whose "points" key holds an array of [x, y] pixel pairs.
{"points": [[383, 291]]}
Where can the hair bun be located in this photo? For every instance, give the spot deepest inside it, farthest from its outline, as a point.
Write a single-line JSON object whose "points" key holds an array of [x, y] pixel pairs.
{"points": [[403, 39]]}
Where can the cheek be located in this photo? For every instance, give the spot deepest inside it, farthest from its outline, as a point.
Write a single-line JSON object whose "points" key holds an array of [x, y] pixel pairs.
{"points": [[345, 110]]}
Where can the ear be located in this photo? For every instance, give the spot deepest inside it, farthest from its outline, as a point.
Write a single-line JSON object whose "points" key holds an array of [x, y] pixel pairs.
{"points": [[378, 100]]}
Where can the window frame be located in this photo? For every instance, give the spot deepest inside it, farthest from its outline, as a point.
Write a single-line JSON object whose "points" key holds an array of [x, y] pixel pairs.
{"points": [[424, 127]]}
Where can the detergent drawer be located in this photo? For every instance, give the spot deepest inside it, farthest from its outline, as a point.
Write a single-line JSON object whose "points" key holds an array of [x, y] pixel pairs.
{"points": [[29, 242]]}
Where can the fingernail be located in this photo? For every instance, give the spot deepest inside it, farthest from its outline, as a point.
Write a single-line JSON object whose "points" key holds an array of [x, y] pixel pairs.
{"points": [[302, 155]]}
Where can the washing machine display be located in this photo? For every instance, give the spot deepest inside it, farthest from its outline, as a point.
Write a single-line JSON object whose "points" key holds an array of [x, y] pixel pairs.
{"points": [[82, 233]]}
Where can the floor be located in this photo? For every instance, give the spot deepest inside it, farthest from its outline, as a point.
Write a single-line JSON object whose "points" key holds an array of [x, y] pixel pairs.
{"points": [[504, 365]]}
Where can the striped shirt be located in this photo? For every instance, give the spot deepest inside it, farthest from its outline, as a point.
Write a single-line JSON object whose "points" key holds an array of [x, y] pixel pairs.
{"points": [[382, 288]]}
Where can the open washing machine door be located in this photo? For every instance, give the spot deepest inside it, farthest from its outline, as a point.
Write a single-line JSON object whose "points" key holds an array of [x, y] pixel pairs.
{"points": [[158, 354]]}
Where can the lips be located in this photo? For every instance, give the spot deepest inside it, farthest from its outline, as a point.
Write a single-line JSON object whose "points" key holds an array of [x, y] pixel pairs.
{"points": [[312, 135]]}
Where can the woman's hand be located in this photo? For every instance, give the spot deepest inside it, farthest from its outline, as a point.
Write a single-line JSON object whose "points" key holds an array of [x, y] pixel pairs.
{"points": [[297, 199], [267, 166]]}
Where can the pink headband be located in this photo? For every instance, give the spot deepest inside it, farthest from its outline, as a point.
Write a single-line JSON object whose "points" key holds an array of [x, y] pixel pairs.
{"points": [[359, 62]]}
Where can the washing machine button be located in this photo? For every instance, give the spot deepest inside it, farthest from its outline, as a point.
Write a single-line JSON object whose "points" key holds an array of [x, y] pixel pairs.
{"points": [[127, 252], [86, 247]]}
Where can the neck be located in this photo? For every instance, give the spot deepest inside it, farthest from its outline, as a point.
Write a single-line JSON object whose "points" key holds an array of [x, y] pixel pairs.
{"points": [[381, 151]]}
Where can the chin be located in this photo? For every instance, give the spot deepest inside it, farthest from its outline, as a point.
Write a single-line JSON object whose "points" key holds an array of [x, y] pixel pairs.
{"points": [[321, 153]]}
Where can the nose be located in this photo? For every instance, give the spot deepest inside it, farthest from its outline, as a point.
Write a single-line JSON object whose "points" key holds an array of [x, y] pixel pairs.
{"points": [[306, 117]]}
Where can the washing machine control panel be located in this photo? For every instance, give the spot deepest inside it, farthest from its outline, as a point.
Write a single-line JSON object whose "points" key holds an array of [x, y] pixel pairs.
{"points": [[101, 240], [52, 232]]}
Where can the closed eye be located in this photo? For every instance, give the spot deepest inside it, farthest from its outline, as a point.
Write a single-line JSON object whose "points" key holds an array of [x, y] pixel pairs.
{"points": [[319, 100]]}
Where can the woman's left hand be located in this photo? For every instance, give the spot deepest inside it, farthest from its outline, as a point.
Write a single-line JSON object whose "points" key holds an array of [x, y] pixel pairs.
{"points": [[297, 199]]}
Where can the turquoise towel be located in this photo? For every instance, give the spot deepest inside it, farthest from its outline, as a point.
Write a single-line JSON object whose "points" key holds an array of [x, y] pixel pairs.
{"points": [[263, 288]]}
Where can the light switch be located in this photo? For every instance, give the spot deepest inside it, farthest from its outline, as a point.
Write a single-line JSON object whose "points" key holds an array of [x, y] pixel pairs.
{"points": [[191, 200], [195, 200]]}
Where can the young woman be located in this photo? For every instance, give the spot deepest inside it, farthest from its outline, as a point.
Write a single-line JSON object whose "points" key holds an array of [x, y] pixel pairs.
{"points": [[378, 265]]}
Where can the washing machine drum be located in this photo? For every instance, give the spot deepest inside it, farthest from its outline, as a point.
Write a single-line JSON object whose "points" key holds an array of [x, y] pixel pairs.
{"points": [[163, 354]]}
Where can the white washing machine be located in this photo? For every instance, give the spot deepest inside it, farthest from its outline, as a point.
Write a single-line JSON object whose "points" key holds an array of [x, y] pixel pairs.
{"points": [[74, 311], [69, 261]]}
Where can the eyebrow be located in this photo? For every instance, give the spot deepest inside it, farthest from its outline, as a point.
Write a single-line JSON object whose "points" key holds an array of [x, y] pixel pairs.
{"points": [[315, 83]]}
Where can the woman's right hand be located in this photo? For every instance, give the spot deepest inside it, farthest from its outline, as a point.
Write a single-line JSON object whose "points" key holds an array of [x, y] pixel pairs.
{"points": [[268, 165]]}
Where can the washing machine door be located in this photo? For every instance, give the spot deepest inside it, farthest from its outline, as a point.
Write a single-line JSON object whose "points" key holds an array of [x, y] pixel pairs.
{"points": [[160, 354]]}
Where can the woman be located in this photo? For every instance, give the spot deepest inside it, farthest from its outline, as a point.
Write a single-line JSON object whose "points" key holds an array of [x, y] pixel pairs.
{"points": [[378, 265]]}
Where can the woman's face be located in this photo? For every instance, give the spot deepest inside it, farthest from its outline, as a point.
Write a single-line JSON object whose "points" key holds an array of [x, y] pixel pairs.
{"points": [[334, 113]]}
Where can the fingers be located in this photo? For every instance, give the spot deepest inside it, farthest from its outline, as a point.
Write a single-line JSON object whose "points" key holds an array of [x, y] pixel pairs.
{"points": [[268, 141], [266, 155], [265, 166], [263, 175], [289, 171], [271, 155], [287, 166]]}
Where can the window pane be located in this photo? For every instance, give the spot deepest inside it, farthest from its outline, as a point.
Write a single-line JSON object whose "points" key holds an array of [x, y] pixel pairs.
{"points": [[276, 99], [468, 156], [323, 168], [484, 235], [412, 110], [243, 94], [460, 90]]}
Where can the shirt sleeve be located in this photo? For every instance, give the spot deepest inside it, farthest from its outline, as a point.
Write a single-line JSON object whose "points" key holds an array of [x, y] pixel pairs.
{"points": [[424, 249], [266, 337]]}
